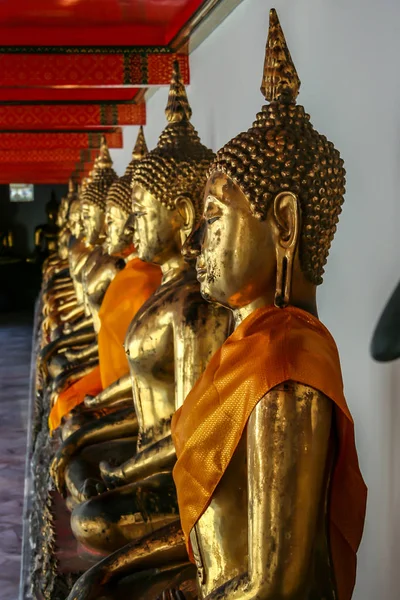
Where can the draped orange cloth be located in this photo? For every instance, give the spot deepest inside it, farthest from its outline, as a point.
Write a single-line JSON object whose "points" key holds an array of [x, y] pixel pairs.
{"points": [[269, 347], [129, 289]]}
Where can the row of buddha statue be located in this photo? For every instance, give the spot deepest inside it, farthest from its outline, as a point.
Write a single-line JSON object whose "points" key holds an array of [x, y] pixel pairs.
{"points": [[206, 449]]}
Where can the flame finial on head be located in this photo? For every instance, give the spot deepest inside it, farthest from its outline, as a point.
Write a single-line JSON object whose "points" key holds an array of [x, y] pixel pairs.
{"points": [[71, 186], [140, 150], [104, 160], [177, 166], [178, 107], [280, 80]]}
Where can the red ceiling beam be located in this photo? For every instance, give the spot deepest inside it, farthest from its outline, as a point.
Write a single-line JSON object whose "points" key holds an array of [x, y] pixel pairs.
{"points": [[86, 68], [47, 156], [34, 171], [55, 141], [120, 35], [70, 116], [38, 168], [66, 95]]}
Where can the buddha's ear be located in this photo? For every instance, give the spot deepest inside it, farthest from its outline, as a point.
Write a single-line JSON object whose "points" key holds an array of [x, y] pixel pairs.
{"points": [[187, 212], [285, 216], [286, 220]]}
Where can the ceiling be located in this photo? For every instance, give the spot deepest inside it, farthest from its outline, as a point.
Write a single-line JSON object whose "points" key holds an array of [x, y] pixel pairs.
{"points": [[93, 22], [70, 69]]}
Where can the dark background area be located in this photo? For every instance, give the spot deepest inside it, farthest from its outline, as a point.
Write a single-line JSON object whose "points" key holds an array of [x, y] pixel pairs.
{"points": [[20, 279], [23, 217]]}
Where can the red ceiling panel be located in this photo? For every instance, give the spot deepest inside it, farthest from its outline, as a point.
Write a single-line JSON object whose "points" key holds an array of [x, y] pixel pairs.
{"points": [[70, 69], [92, 22], [47, 156], [80, 94], [70, 116], [89, 69], [56, 140]]}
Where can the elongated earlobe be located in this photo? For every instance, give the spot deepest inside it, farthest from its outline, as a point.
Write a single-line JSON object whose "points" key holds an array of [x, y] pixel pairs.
{"points": [[186, 210], [287, 225]]}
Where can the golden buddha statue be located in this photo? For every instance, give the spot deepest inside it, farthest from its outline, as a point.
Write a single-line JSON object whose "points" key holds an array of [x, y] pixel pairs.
{"points": [[125, 294], [63, 283], [84, 256], [56, 278], [46, 235], [271, 498], [168, 343]]}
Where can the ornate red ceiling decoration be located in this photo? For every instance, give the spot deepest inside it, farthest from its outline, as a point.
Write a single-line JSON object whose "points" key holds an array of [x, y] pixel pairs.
{"points": [[70, 69], [82, 67], [91, 23], [70, 116], [47, 156], [66, 95], [57, 140]]}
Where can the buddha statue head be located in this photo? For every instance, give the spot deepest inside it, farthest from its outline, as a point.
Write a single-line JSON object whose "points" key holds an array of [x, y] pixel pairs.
{"points": [[93, 197], [63, 221], [272, 200], [119, 203], [167, 185], [75, 218], [62, 211]]}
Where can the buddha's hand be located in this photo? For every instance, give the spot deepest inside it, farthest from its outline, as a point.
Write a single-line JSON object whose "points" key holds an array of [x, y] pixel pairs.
{"points": [[92, 487], [90, 401], [113, 476], [59, 465], [89, 586]]}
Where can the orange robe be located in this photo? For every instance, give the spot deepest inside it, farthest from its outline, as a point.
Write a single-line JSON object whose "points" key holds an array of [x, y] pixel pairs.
{"points": [[129, 289], [269, 347]]}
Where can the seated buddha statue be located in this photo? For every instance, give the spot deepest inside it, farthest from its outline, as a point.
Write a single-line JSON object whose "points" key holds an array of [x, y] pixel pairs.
{"points": [[57, 282], [58, 289], [52, 282], [83, 259], [46, 235], [168, 343], [271, 498], [125, 294]]}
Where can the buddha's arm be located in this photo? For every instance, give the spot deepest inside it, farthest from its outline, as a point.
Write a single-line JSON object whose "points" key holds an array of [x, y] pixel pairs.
{"points": [[54, 292], [81, 324], [54, 302], [66, 379], [61, 290], [76, 311], [153, 459], [69, 306], [160, 550], [81, 354], [117, 392], [287, 446], [85, 336], [38, 237], [120, 424], [194, 346]]}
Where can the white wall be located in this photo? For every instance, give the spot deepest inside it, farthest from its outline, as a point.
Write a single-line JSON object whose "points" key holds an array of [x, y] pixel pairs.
{"points": [[347, 55]]}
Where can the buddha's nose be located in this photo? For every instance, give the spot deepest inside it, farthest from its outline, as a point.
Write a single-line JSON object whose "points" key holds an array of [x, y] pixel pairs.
{"points": [[129, 227], [192, 247]]}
